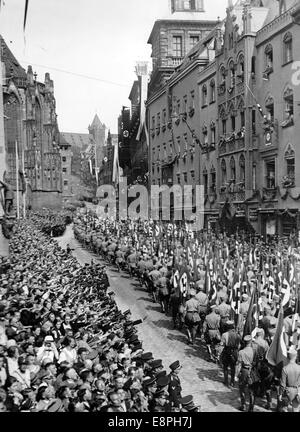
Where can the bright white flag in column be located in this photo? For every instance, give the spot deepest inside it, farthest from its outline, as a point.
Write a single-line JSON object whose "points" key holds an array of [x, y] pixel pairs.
{"points": [[116, 167]]}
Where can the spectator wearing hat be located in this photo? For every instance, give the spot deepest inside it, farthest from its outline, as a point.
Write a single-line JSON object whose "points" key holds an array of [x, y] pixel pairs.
{"points": [[243, 370], [290, 383], [47, 351], [230, 341], [43, 397], [174, 387]]}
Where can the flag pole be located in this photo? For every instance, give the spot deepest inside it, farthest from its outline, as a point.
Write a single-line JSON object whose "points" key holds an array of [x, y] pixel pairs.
{"points": [[24, 192], [17, 181]]}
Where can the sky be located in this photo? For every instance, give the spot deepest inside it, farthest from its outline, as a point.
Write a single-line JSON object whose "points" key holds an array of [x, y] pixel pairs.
{"points": [[99, 39]]}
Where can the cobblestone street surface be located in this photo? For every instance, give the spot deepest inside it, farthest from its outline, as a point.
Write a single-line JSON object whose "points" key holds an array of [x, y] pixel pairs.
{"points": [[199, 377]]}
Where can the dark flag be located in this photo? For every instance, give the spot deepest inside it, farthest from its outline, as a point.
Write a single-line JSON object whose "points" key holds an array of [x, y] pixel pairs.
{"points": [[277, 353], [25, 14], [252, 318]]}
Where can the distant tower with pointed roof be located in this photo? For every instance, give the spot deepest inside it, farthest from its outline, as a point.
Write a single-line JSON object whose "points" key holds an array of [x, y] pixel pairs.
{"points": [[98, 132]]}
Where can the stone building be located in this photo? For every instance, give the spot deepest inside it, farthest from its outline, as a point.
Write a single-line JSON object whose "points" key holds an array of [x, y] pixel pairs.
{"points": [[106, 170], [174, 36], [174, 117], [98, 131], [227, 118], [31, 133], [278, 92], [66, 166]]}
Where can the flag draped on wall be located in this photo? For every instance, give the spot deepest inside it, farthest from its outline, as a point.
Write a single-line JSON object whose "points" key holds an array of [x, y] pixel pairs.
{"points": [[116, 167], [143, 99]]}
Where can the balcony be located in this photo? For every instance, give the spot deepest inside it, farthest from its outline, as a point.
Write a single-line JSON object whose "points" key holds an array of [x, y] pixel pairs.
{"points": [[232, 143], [232, 196], [174, 61]]}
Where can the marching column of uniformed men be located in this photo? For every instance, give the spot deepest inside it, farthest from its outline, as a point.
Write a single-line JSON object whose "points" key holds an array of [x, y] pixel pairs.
{"points": [[244, 358], [64, 344]]}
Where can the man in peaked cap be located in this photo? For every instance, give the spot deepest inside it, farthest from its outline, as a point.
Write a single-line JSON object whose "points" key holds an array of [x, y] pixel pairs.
{"points": [[230, 341], [150, 388], [243, 369], [175, 388], [187, 404], [211, 330], [290, 382], [161, 402], [156, 366]]}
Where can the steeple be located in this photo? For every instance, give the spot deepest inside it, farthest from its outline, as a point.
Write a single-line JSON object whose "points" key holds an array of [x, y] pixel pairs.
{"points": [[96, 124]]}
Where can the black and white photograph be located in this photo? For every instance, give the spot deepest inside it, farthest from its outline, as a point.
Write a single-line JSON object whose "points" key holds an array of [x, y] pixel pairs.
{"points": [[149, 210]]}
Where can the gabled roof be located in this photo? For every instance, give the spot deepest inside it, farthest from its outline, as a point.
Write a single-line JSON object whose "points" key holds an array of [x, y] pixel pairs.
{"points": [[81, 141], [12, 66]]}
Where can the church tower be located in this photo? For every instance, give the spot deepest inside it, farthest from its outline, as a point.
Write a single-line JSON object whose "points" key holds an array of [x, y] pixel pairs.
{"points": [[98, 132]]}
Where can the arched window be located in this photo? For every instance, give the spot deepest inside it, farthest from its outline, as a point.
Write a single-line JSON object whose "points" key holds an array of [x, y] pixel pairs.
{"points": [[241, 68], [288, 97], [232, 75], [212, 179], [204, 95], [287, 48], [223, 172], [222, 87], [242, 168], [232, 170], [212, 90], [289, 157], [269, 104], [268, 59]]}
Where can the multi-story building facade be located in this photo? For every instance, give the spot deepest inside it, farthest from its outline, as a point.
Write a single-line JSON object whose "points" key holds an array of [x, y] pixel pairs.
{"points": [[31, 133], [227, 96], [278, 92], [66, 166], [176, 135], [174, 36]]}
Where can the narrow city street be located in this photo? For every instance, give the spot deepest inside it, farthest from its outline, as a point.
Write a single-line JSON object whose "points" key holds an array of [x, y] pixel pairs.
{"points": [[200, 377]]}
